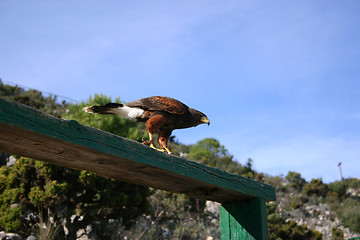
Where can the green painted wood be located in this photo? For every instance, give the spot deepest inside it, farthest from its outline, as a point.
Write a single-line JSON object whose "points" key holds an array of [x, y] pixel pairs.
{"points": [[70, 144], [246, 219], [230, 229]]}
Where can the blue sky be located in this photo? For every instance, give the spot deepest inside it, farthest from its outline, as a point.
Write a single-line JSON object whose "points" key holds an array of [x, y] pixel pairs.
{"points": [[279, 80]]}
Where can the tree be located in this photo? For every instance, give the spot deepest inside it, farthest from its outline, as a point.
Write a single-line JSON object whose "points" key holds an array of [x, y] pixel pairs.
{"points": [[338, 188], [316, 187], [295, 180], [209, 151]]}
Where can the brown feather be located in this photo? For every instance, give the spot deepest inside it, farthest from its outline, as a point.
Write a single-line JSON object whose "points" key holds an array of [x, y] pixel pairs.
{"points": [[158, 103]]}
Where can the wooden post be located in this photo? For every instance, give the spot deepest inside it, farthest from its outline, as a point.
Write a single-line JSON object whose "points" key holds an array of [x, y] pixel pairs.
{"points": [[246, 219]]}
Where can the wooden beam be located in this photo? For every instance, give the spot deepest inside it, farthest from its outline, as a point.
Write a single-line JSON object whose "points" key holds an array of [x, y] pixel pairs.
{"points": [[31, 133]]}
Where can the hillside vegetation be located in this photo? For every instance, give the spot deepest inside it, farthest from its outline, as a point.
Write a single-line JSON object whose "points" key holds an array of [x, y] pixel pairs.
{"points": [[52, 202]]}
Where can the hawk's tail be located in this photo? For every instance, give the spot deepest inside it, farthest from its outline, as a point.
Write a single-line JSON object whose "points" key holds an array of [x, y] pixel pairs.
{"points": [[109, 108]]}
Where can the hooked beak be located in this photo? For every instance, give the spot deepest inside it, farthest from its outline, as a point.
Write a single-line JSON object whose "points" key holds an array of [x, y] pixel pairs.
{"points": [[205, 120]]}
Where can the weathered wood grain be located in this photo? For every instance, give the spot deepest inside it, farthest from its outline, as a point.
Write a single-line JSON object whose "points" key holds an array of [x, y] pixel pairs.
{"points": [[31, 133]]}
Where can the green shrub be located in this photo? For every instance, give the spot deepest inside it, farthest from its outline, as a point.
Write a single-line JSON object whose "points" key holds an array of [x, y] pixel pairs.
{"points": [[316, 187], [275, 218], [291, 230], [271, 207], [339, 188], [349, 213], [337, 234], [295, 180]]}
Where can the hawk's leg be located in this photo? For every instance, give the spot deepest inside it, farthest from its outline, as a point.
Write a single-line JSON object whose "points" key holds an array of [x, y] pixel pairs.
{"points": [[153, 125], [151, 144], [148, 142], [163, 139]]}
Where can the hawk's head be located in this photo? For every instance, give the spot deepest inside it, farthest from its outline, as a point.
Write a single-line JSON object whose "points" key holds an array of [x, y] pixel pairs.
{"points": [[199, 117]]}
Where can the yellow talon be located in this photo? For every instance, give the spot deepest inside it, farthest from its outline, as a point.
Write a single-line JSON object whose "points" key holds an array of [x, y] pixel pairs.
{"points": [[150, 143], [152, 146], [146, 142], [168, 151]]}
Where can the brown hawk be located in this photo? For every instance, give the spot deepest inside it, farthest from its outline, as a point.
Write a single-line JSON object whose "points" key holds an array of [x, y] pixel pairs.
{"points": [[160, 114]]}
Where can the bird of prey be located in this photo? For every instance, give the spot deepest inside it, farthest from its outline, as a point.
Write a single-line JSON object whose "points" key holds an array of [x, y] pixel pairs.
{"points": [[160, 114]]}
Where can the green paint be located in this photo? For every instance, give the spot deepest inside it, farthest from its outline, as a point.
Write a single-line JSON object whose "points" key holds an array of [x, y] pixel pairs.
{"points": [[230, 229], [71, 131], [244, 219]]}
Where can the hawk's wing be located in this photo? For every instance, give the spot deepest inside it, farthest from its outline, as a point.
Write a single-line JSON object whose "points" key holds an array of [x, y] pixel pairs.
{"points": [[159, 103]]}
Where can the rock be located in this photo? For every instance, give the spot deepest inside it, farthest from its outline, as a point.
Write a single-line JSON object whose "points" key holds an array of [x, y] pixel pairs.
{"points": [[15, 205], [319, 219], [11, 161], [352, 192], [2, 235], [212, 208], [81, 235], [31, 237], [9, 236]]}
